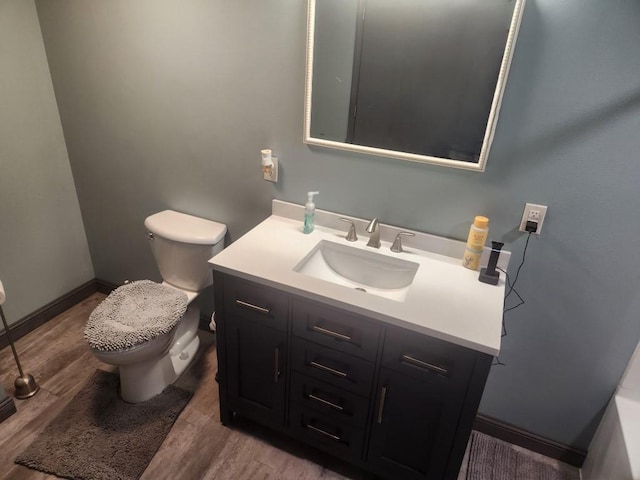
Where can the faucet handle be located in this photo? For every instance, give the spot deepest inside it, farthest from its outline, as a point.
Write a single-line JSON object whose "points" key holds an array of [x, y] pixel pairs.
{"points": [[351, 236], [397, 243]]}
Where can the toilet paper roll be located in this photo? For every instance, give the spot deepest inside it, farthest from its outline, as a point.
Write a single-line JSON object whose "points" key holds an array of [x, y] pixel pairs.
{"points": [[3, 297]]}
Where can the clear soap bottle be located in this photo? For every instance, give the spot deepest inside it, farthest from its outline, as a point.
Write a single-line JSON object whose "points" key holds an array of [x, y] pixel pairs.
{"points": [[475, 242], [309, 213]]}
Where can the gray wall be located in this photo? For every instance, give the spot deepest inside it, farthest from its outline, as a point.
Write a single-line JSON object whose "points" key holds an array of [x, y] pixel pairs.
{"points": [[43, 247], [168, 103]]}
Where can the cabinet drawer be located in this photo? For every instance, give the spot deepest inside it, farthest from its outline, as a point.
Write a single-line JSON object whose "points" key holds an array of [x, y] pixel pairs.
{"points": [[336, 329], [336, 368], [255, 302], [426, 358], [333, 402], [326, 433]]}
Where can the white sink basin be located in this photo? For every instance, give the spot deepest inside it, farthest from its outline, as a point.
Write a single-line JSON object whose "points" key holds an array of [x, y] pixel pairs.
{"points": [[364, 270]]}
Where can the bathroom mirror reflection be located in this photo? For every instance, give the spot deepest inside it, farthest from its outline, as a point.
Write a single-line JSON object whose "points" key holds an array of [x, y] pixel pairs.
{"points": [[418, 80]]}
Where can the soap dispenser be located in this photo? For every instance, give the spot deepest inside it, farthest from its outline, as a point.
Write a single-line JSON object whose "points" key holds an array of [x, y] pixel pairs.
{"points": [[309, 213]]}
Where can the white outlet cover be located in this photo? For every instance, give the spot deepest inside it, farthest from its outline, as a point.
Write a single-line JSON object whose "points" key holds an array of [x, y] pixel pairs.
{"points": [[539, 210], [274, 172]]}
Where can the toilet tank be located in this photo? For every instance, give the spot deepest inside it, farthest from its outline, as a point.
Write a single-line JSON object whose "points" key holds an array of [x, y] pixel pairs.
{"points": [[181, 245]]}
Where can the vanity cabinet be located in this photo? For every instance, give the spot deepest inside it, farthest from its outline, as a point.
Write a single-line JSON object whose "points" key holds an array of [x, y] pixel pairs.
{"points": [[255, 331], [395, 402]]}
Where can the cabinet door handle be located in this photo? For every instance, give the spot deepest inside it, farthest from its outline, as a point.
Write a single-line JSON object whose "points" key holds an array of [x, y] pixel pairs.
{"points": [[328, 369], [428, 366], [331, 333], [276, 369], [324, 432], [326, 402], [266, 311], [383, 396]]}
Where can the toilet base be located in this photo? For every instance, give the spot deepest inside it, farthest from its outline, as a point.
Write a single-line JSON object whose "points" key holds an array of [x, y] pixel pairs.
{"points": [[141, 381]]}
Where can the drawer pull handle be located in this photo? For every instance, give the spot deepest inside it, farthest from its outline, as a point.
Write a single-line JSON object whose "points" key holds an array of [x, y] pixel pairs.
{"points": [[276, 370], [326, 402], [323, 432], [266, 311], [383, 396], [428, 366], [329, 369], [331, 333]]}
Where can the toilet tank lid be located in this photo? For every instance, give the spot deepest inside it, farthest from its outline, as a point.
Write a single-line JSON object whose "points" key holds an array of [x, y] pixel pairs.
{"points": [[184, 228]]}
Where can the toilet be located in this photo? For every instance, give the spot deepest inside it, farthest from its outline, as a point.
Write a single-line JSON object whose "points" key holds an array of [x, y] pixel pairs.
{"points": [[149, 329]]}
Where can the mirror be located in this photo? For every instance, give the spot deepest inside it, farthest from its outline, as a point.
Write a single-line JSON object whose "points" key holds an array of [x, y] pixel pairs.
{"points": [[417, 80]]}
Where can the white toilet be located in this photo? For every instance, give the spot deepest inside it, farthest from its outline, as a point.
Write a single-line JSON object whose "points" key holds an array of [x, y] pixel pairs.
{"points": [[141, 326]]}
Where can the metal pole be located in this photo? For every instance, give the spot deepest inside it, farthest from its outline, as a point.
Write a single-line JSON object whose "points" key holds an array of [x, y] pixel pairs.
{"points": [[6, 332], [25, 385]]}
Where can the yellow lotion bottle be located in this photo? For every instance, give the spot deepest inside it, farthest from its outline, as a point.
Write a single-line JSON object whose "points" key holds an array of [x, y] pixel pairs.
{"points": [[475, 243]]}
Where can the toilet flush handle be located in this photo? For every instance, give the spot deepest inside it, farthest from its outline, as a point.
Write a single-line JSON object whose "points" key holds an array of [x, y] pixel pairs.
{"points": [[150, 236]]}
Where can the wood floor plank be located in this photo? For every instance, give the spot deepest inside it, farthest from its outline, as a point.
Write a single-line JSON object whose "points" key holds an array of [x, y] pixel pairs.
{"points": [[22, 428], [235, 453], [18, 472], [193, 445]]}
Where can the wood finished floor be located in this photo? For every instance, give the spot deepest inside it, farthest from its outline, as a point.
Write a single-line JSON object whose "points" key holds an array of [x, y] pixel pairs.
{"points": [[198, 446]]}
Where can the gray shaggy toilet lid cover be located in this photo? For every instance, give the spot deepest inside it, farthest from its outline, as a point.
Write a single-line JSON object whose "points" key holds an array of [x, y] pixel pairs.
{"points": [[134, 313]]}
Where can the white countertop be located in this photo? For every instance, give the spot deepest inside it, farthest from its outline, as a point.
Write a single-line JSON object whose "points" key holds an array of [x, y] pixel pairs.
{"points": [[445, 300]]}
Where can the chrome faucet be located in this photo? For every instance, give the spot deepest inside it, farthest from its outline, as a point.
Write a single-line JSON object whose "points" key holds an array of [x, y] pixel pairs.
{"points": [[374, 229]]}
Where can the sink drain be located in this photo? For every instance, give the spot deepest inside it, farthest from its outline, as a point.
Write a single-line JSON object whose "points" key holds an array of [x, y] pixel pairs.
{"points": [[360, 289]]}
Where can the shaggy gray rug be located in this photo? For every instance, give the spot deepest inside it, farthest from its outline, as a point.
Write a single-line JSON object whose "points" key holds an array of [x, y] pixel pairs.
{"points": [[97, 436], [492, 459]]}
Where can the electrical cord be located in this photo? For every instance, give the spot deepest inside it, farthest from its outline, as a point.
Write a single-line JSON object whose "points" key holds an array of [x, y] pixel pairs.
{"points": [[512, 289], [524, 253]]}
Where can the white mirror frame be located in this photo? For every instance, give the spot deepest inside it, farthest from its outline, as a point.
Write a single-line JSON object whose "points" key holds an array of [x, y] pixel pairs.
{"points": [[446, 162]]}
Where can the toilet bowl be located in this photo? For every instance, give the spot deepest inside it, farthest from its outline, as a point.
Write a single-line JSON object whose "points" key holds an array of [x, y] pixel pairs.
{"points": [[149, 330]]}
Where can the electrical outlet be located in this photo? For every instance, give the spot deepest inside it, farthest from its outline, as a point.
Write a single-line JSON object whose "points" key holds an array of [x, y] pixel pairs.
{"points": [[533, 213], [272, 175]]}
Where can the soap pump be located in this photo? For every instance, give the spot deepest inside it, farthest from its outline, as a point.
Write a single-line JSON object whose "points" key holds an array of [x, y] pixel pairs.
{"points": [[309, 213]]}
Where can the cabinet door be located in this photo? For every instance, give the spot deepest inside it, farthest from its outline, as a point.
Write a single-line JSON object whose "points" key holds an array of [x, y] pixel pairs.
{"points": [[257, 374], [413, 427]]}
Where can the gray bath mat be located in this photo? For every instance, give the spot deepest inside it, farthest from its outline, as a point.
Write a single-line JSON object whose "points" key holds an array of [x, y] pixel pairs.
{"points": [[491, 459], [97, 436]]}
